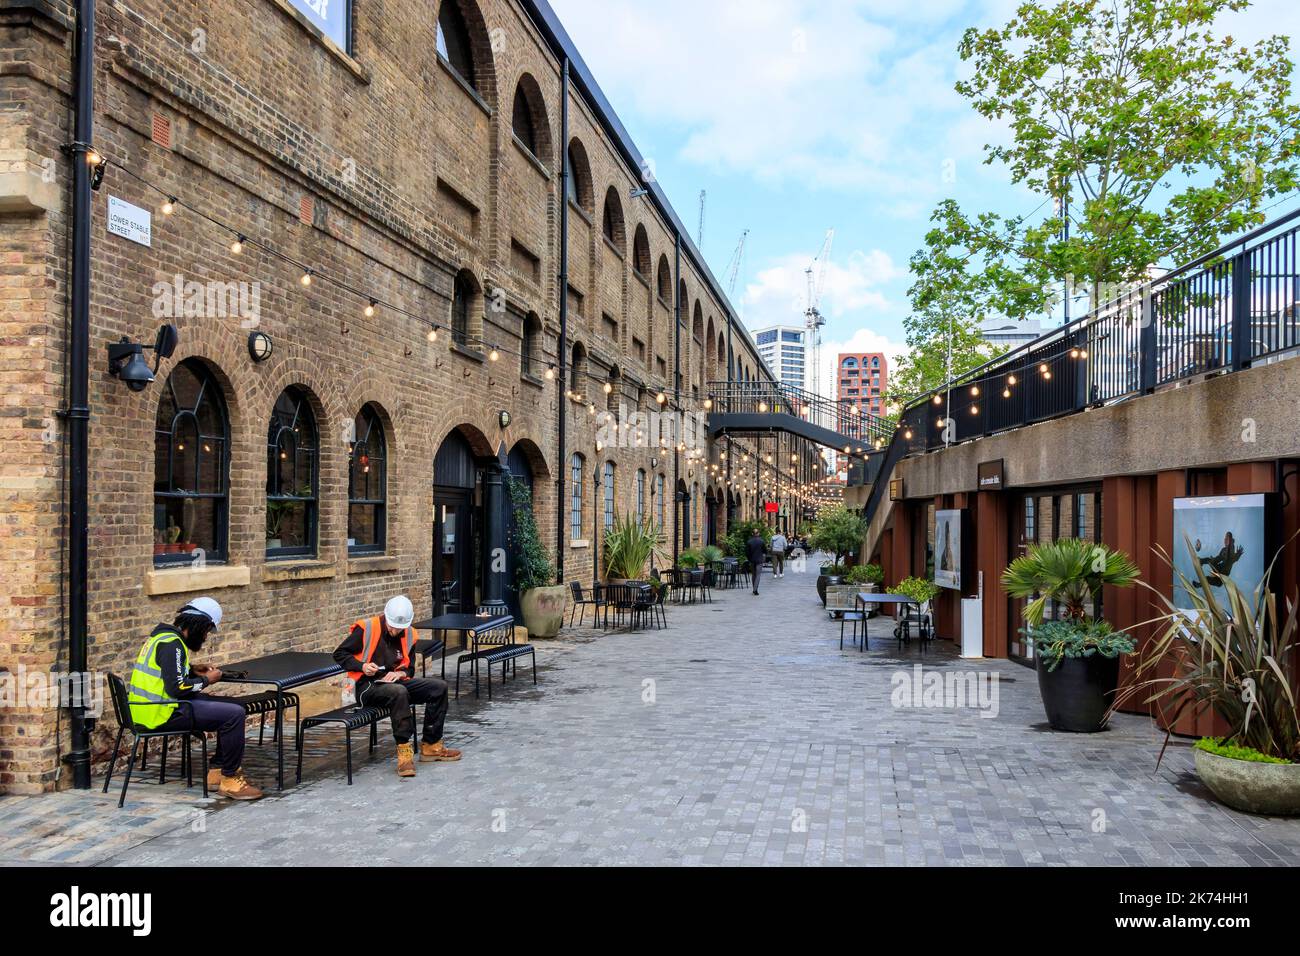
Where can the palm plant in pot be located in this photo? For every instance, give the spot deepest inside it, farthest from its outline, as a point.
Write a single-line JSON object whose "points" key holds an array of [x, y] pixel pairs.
{"points": [[541, 600], [1077, 657], [629, 545], [1233, 654], [839, 531]]}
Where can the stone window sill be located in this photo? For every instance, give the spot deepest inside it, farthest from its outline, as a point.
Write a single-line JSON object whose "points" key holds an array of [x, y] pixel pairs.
{"points": [[372, 564], [531, 157], [297, 571], [474, 355], [187, 579], [460, 81], [579, 545]]}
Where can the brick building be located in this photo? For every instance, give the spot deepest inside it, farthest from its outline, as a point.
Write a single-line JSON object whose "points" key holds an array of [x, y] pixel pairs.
{"points": [[379, 200]]}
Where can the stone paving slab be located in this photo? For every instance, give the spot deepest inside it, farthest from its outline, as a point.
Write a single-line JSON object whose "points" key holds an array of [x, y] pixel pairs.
{"points": [[742, 735]]}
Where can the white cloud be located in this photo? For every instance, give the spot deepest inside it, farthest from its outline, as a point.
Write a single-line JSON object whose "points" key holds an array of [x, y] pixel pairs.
{"points": [[827, 95]]}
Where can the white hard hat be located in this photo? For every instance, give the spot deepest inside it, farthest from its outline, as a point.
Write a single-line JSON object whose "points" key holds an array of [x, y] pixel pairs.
{"points": [[399, 613], [207, 607]]}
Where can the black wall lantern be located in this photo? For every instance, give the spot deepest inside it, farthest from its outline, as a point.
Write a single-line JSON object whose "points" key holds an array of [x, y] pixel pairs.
{"points": [[126, 358], [259, 346]]}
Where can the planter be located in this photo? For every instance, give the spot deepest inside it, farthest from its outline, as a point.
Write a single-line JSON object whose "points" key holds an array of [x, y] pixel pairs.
{"points": [[1269, 789], [824, 581], [1077, 694], [841, 598], [543, 610]]}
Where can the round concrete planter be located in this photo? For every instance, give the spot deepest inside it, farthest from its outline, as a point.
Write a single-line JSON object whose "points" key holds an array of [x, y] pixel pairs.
{"points": [[543, 610], [1269, 789]]}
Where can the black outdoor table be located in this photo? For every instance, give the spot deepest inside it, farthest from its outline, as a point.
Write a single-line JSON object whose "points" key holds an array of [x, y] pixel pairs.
{"points": [[465, 624], [898, 600], [283, 671]]}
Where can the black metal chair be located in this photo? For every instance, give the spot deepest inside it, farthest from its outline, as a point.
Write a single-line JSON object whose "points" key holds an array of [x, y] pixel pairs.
{"points": [[495, 646], [655, 608], [122, 710], [350, 718], [857, 619], [582, 602]]}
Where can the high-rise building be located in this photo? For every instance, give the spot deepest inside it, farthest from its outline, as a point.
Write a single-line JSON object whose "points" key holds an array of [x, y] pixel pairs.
{"points": [[785, 350], [860, 381]]}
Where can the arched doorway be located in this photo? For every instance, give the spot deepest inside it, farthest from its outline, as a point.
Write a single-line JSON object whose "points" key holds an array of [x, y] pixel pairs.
{"points": [[684, 513], [456, 527], [710, 518]]}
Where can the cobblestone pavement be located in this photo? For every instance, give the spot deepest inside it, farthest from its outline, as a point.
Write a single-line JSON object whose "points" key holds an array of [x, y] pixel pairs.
{"points": [[740, 735]]}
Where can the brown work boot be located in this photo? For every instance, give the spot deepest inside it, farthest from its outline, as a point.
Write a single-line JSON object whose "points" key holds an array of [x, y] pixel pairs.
{"points": [[405, 760], [214, 779], [437, 752], [238, 788]]}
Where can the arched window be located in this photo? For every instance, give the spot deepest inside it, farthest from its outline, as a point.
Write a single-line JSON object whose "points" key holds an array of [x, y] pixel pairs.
{"points": [[463, 292], [612, 220], [368, 486], [578, 183], [454, 44], [576, 465], [641, 253], [850, 362], [191, 496], [530, 347], [640, 496], [522, 121], [609, 495], [292, 463], [665, 281], [660, 507], [578, 371]]}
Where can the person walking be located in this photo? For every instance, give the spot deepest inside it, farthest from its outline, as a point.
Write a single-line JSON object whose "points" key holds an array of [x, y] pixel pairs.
{"points": [[779, 545], [755, 550]]}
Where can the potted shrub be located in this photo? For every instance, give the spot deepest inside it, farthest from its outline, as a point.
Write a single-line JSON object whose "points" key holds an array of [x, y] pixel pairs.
{"points": [[710, 554], [629, 545], [1077, 658], [541, 600], [918, 589], [839, 531], [1235, 657], [689, 559]]}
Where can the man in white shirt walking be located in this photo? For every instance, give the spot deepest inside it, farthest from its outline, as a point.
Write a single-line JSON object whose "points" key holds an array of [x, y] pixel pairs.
{"points": [[779, 544]]}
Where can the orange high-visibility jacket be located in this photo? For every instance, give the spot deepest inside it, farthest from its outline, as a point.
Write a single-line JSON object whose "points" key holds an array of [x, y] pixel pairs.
{"points": [[373, 632]]}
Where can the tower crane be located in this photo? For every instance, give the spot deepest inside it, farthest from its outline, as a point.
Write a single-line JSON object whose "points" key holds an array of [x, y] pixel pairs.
{"points": [[733, 267], [813, 318]]}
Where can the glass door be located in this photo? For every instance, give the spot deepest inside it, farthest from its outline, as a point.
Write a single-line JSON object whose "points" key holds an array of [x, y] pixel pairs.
{"points": [[454, 585]]}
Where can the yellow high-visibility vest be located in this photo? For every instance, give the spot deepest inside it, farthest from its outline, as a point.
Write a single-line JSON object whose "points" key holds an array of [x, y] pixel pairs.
{"points": [[146, 689]]}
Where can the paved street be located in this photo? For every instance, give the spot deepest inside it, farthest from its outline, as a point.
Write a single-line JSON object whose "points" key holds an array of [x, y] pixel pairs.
{"points": [[741, 735]]}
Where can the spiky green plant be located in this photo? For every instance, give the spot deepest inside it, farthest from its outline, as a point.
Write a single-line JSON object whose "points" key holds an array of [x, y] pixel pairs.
{"points": [[628, 546], [1068, 571], [1235, 657]]}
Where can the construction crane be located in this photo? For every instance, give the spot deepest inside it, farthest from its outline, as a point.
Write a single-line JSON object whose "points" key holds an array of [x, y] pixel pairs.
{"points": [[699, 236], [813, 318], [733, 267]]}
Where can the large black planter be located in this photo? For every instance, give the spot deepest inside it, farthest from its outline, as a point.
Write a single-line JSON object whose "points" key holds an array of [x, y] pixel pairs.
{"points": [[1077, 694], [824, 581]]}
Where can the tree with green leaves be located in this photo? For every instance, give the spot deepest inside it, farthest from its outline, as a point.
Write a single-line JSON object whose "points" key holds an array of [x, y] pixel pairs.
{"points": [[941, 345], [1152, 134]]}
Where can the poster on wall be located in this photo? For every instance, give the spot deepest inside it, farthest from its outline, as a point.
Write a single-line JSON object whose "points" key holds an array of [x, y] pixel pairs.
{"points": [[1228, 537], [947, 549]]}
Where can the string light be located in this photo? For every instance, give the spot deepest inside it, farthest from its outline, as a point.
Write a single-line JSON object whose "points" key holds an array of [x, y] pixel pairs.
{"points": [[370, 308], [169, 206], [494, 355], [238, 245], [433, 334], [306, 278], [550, 373]]}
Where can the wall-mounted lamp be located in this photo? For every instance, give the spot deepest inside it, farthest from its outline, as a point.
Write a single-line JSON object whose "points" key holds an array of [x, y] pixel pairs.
{"points": [[126, 358], [259, 346], [503, 418]]}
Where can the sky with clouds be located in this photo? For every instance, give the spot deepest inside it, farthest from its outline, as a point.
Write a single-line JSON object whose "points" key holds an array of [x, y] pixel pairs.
{"points": [[799, 116]]}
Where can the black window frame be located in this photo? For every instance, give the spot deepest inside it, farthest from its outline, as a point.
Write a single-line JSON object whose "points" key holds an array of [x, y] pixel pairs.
{"points": [[374, 425], [274, 494], [209, 388]]}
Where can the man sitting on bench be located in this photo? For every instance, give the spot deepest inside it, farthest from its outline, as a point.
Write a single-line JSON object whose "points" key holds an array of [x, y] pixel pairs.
{"points": [[377, 656]]}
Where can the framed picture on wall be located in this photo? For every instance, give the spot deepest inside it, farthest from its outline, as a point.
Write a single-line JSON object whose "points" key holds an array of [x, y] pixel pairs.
{"points": [[1226, 536], [947, 549]]}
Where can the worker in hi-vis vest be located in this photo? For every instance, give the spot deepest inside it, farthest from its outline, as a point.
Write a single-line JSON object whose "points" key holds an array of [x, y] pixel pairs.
{"points": [[378, 655], [163, 676]]}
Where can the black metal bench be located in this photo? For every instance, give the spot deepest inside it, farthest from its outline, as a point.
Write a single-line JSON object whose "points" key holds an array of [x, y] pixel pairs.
{"points": [[353, 717], [495, 647]]}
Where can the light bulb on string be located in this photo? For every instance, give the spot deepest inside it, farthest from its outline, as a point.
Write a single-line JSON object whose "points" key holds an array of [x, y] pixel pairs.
{"points": [[432, 335], [370, 308], [305, 280], [169, 206], [237, 246]]}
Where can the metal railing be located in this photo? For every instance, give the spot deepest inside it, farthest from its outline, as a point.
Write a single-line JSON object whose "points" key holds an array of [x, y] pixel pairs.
{"points": [[1220, 313], [863, 431]]}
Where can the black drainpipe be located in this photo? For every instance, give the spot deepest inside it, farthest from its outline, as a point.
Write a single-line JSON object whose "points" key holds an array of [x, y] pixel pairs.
{"points": [[562, 461], [677, 392], [77, 388]]}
